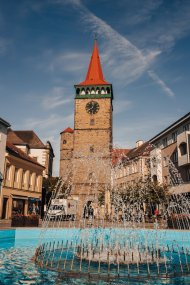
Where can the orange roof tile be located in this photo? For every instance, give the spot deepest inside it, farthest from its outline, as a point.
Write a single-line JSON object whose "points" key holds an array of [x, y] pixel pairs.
{"points": [[21, 154], [94, 75], [68, 130], [24, 137], [118, 154]]}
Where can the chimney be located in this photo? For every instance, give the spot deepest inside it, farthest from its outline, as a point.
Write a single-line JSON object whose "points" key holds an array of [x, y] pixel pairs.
{"points": [[139, 143]]}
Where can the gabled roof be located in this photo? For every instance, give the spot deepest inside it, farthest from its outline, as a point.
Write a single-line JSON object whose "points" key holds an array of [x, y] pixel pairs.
{"points": [[176, 124], [25, 138], [94, 74], [118, 154], [142, 150], [5, 123], [12, 149], [68, 130]]}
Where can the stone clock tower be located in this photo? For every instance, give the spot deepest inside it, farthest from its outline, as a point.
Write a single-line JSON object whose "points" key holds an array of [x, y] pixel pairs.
{"points": [[92, 137]]}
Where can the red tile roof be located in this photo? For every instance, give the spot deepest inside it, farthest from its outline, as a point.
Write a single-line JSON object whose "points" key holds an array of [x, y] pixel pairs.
{"points": [[94, 74], [142, 150], [68, 130], [118, 154], [25, 137], [12, 149]]}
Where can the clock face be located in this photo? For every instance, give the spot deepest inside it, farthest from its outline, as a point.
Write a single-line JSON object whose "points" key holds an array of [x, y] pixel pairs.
{"points": [[92, 107]]}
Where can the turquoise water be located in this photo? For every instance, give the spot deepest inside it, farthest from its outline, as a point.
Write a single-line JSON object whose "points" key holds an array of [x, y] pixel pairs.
{"points": [[17, 248]]}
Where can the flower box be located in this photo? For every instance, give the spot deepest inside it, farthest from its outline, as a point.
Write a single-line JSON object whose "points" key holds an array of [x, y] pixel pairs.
{"points": [[25, 221]]}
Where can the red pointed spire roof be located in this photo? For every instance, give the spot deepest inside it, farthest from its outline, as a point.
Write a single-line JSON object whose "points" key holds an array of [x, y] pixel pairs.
{"points": [[94, 75]]}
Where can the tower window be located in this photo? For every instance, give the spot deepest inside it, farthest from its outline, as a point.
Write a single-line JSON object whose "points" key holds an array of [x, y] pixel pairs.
{"points": [[98, 90], [64, 141], [108, 90], [91, 149], [82, 91], [102, 90], [92, 122], [78, 91], [90, 176]]}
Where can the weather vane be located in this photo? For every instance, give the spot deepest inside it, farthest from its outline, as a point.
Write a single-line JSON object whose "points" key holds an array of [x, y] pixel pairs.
{"points": [[95, 36]]}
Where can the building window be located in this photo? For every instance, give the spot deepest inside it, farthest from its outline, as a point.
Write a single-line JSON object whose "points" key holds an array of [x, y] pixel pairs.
{"points": [[188, 174], [78, 91], [25, 178], [18, 207], [183, 148], [165, 142], [16, 175], [174, 156], [64, 141], [174, 136], [91, 148], [186, 128], [38, 182], [30, 181], [90, 176], [34, 185], [165, 161], [154, 178], [92, 122], [8, 172], [165, 179]]}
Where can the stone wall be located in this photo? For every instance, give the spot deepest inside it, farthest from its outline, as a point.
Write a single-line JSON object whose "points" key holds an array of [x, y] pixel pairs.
{"points": [[66, 154]]}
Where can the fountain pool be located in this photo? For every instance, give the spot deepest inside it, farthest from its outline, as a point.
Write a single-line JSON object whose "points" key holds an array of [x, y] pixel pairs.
{"points": [[17, 248]]}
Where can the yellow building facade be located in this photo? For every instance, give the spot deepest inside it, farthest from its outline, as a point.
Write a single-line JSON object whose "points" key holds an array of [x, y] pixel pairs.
{"points": [[22, 183]]}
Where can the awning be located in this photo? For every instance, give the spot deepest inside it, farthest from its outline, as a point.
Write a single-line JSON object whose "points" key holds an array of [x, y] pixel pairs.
{"points": [[20, 197], [33, 199]]}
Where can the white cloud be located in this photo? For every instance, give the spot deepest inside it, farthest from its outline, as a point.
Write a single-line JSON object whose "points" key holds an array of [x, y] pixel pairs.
{"points": [[162, 84], [68, 61], [143, 11], [124, 61], [50, 122], [126, 135], [169, 25], [121, 106], [55, 99]]}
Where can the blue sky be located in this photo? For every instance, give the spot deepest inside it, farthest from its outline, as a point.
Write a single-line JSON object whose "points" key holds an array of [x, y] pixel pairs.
{"points": [[45, 47]]}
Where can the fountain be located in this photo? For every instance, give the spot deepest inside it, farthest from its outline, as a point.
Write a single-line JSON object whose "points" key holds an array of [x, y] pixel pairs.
{"points": [[118, 242]]}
